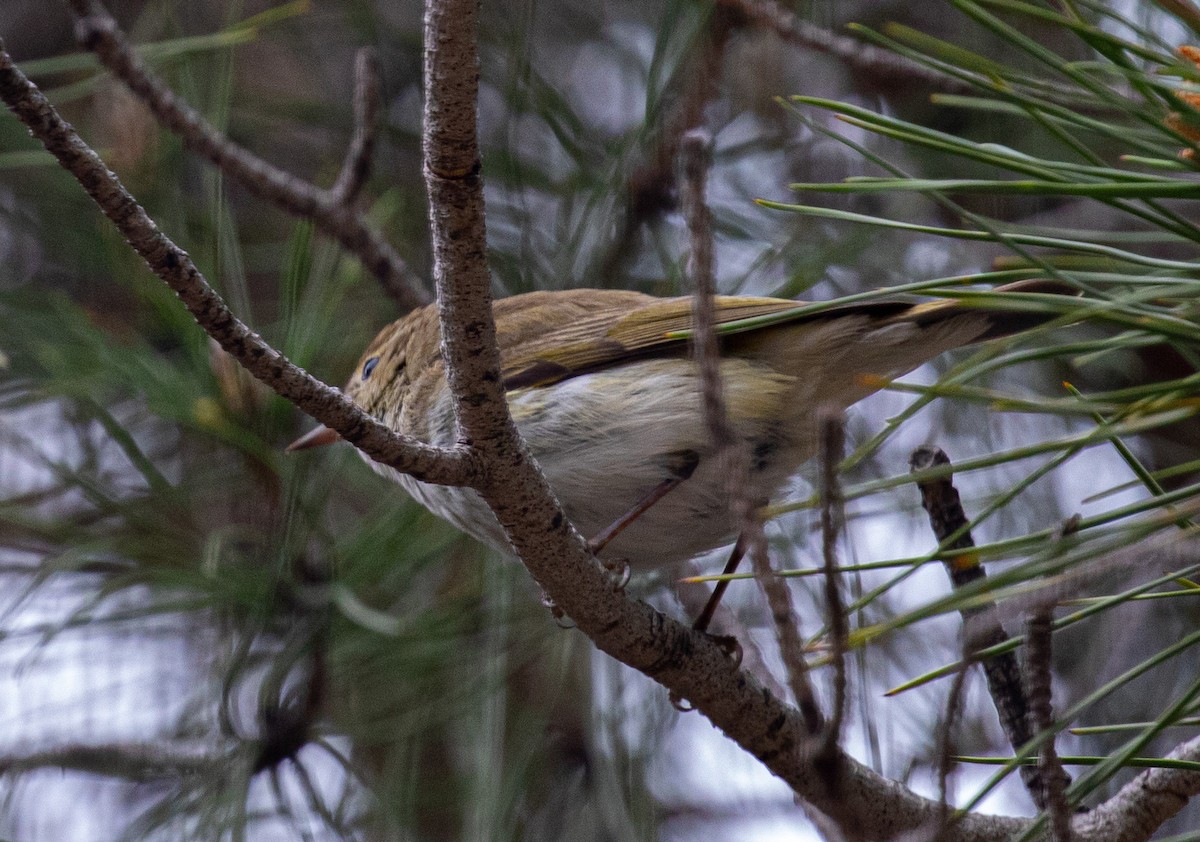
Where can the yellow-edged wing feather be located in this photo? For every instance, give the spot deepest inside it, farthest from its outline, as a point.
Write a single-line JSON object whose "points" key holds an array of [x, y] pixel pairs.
{"points": [[615, 327], [552, 336]]}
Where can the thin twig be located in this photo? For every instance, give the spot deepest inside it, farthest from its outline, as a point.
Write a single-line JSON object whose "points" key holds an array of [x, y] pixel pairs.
{"points": [[1038, 651], [694, 600], [864, 59], [832, 438], [356, 167], [696, 158], [173, 265], [99, 32], [981, 624], [652, 188], [946, 743], [695, 149]]}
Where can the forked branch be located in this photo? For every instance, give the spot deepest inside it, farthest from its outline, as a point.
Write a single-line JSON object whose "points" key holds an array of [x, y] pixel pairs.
{"points": [[331, 211], [173, 265]]}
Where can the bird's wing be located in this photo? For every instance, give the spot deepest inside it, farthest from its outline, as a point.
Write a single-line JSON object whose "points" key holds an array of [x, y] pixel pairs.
{"points": [[619, 330], [607, 328]]}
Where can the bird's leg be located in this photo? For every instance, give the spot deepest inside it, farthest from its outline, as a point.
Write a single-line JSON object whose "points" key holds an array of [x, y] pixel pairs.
{"points": [[731, 566], [688, 460]]}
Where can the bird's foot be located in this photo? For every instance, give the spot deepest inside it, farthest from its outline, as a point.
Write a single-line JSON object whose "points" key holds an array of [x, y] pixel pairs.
{"points": [[620, 571]]}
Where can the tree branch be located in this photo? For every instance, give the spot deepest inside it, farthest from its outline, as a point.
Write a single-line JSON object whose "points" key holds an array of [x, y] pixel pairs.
{"points": [[493, 460], [1054, 779], [329, 212], [356, 167], [173, 265], [981, 625], [138, 762], [865, 58], [832, 434], [1143, 804]]}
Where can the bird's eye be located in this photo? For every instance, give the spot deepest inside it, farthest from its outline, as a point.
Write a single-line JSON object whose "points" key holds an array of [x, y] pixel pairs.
{"points": [[369, 366]]}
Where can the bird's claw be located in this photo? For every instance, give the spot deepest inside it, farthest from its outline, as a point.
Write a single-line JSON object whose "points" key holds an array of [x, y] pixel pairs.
{"points": [[620, 570]]}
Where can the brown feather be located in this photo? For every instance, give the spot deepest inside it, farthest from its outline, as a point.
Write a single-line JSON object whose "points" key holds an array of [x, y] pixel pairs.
{"points": [[550, 337]]}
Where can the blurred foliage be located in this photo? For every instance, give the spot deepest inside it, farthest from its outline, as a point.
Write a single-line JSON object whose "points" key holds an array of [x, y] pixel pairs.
{"points": [[360, 671]]}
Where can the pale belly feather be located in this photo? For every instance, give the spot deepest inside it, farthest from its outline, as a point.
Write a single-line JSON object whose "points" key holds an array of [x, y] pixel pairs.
{"points": [[607, 439]]}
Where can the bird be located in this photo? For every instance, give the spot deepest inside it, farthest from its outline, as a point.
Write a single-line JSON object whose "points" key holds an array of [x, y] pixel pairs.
{"points": [[603, 387]]}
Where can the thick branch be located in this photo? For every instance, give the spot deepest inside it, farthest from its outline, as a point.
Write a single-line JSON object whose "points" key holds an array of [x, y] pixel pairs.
{"points": [[173, 265], [452, 176], [1143, 804]]}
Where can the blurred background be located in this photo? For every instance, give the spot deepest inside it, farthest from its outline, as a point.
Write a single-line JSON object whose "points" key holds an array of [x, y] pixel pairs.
{"points": [[202, 637]]}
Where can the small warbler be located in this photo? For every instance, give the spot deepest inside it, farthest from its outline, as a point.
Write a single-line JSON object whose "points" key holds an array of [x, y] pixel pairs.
{"points": [[608, 397]]}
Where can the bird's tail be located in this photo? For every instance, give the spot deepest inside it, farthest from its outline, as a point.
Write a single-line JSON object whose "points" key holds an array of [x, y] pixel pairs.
{"points": [[1008, 309]]}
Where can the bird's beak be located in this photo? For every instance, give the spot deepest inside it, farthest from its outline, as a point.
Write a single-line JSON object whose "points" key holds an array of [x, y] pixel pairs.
{"points": [[318, 437]]}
